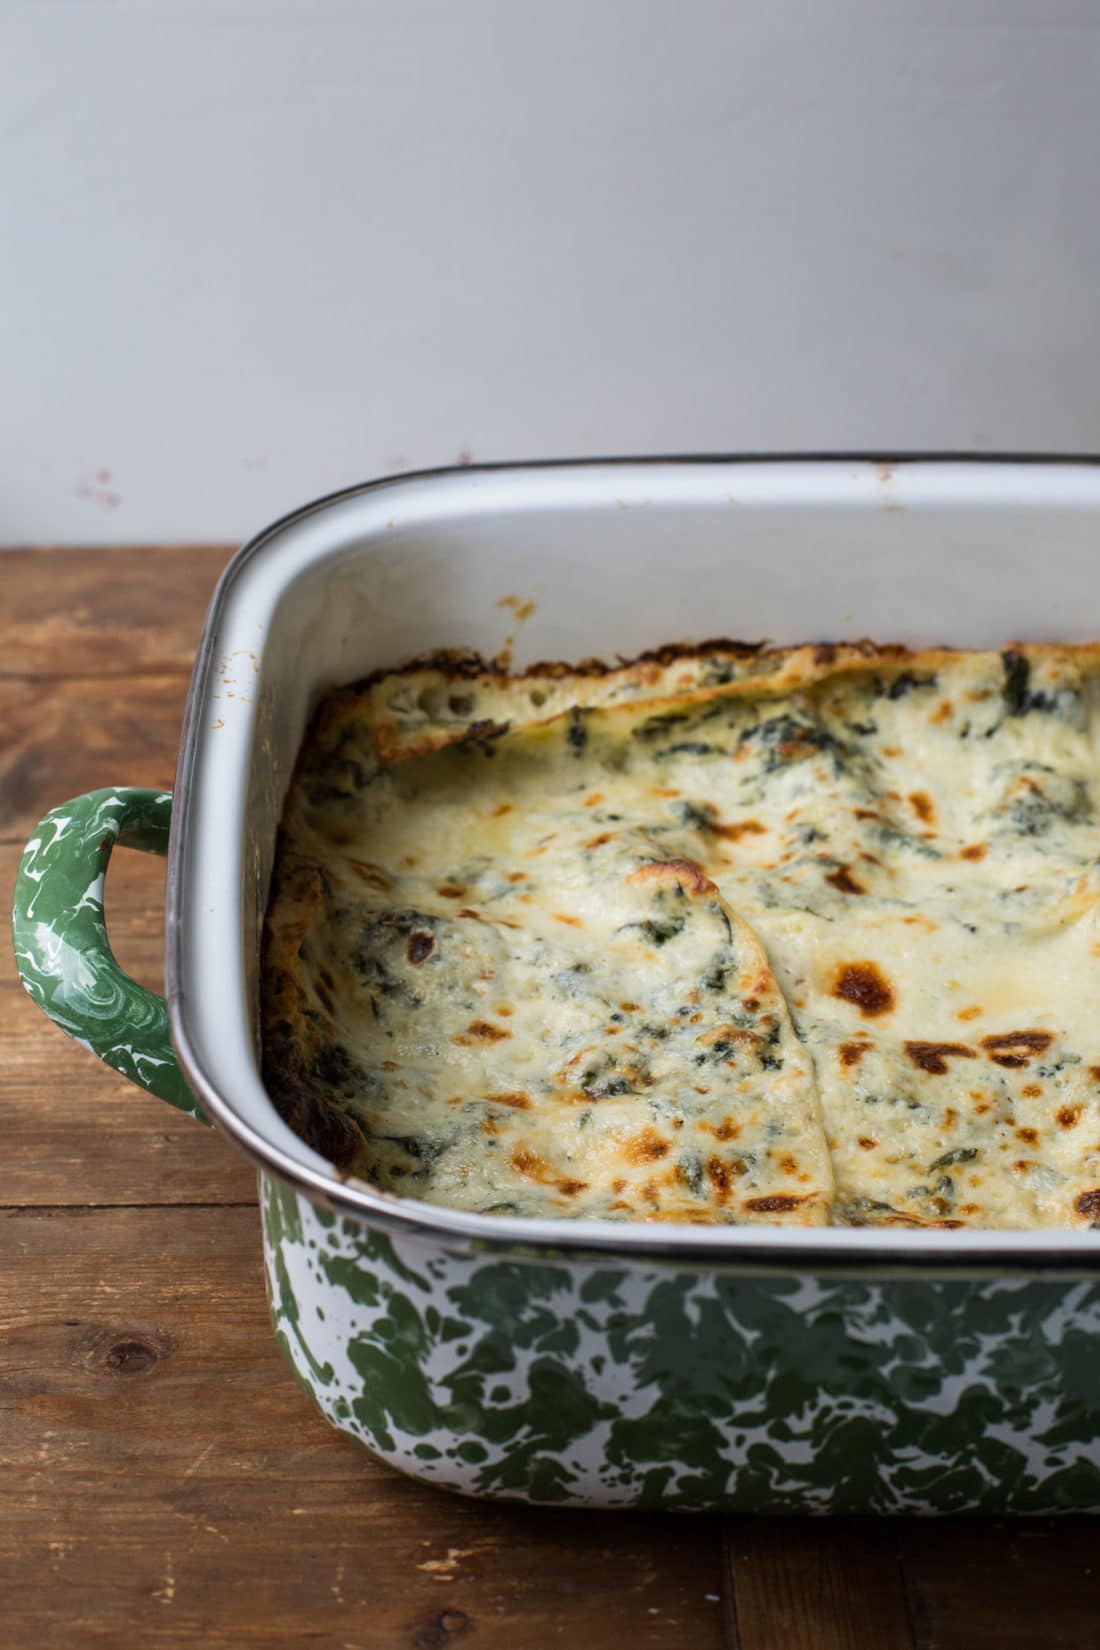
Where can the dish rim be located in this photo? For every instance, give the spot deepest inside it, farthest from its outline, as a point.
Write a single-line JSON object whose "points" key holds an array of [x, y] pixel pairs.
{"points": [[785, 1249]]}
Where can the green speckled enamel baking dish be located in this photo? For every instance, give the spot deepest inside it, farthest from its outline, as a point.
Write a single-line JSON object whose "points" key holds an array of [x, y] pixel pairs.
{"points": [[613, 1365]]}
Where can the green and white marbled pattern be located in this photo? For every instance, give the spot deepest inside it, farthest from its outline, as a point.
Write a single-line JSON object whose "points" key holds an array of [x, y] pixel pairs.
{"points": [[61, 946], [603, 1384]]}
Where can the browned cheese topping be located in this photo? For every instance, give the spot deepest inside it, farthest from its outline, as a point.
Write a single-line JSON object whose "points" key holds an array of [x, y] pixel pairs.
{"points": [[726, 935]]}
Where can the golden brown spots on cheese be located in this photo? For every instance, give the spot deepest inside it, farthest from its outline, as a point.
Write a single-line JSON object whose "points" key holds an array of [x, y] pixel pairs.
{"points": [[486, 1032], [570, 922], [646, 1147], [843, 880], [682, 873], [773, 1205], [736, 1036], [943, 712], [795, 750], [864, 985], [721, 1176], [1016, 1048], [528, 1163], [734, 833], [933, 1057], [790, 1105]]}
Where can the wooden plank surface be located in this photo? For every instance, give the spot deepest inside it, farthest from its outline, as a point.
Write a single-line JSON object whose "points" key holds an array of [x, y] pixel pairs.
{"points": [[60, 614], [78, 733], [173, 1486], [817, 1584], [163, 1481], [1016, 1584], [166, 1482]]}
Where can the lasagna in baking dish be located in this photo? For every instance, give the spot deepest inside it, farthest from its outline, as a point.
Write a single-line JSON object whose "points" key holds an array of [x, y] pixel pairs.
{"points": [[727, 935]]}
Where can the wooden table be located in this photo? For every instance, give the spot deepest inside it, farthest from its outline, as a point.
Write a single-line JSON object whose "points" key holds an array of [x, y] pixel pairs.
{"points": [[165, 1483]]}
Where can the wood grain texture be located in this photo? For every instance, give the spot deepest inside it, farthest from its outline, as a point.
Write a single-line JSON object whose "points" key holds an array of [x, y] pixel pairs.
{"points": [[817, 1584], [89, 613], [170, 1485], [1012, 1584], [79, 733], [163, 1481]]}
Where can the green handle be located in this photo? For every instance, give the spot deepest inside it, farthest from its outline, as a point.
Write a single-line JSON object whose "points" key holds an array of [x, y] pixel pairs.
{"points": [[61, 947]]}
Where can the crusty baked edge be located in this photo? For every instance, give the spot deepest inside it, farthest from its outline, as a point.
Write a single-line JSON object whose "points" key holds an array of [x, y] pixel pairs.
{"points": [[676, 673]]}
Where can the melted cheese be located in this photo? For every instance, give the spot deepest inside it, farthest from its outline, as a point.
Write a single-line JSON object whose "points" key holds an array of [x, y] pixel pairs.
{"points": [[806, 936]]}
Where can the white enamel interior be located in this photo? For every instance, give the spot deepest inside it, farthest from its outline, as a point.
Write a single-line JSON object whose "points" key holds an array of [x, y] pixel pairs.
{"points": [[617, 557]]}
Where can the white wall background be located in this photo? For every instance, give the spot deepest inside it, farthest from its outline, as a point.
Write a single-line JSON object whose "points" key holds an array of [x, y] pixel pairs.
{"points": [[252, 250]]}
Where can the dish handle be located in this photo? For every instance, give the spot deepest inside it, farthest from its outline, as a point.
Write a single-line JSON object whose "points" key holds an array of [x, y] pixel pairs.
{"points": [[62, 951]]}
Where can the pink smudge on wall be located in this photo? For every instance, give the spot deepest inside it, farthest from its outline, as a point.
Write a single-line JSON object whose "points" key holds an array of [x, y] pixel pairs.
{"points": [[96, 487]]}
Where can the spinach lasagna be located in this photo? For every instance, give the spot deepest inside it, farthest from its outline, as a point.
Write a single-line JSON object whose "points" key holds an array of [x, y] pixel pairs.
{"points": [[726, 935]]}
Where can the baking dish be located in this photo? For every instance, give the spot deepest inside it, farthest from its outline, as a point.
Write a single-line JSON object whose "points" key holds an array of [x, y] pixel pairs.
{"points": [[617, 1365]]}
